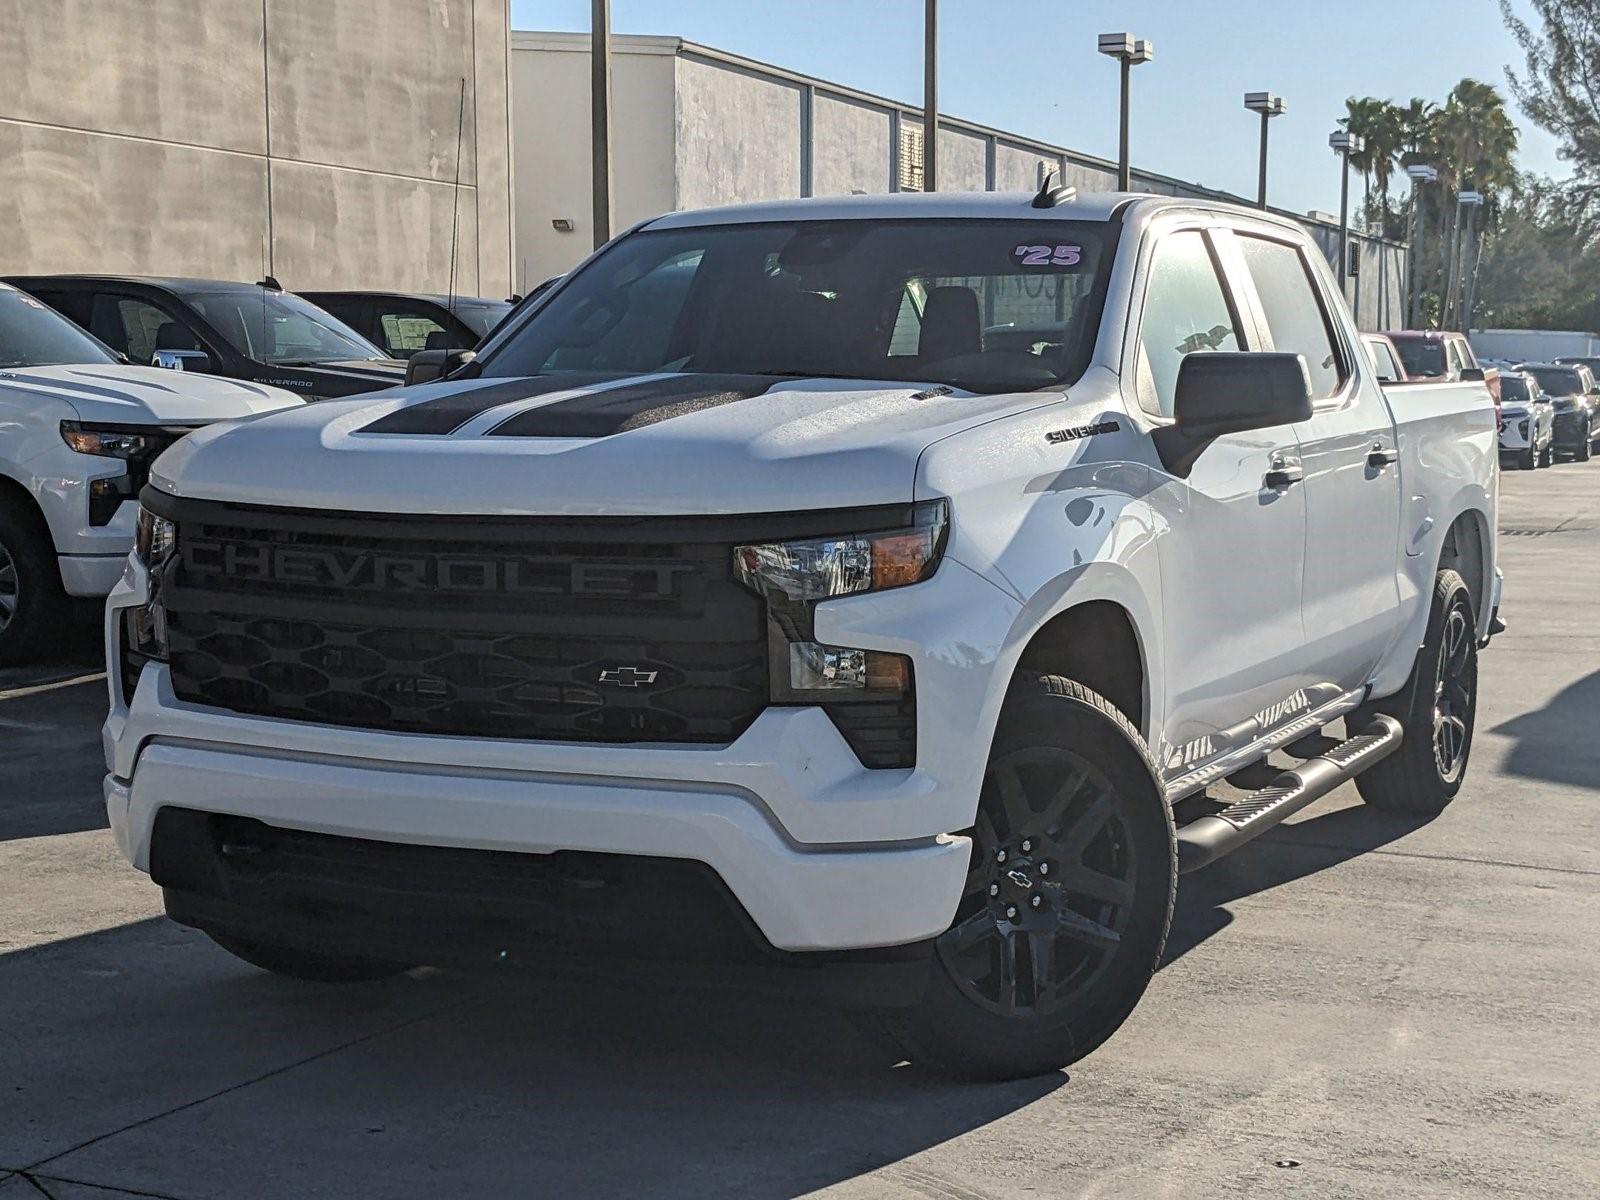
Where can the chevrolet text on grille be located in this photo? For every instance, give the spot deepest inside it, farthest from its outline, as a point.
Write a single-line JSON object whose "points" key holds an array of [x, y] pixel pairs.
{"points": [[371, 571]]}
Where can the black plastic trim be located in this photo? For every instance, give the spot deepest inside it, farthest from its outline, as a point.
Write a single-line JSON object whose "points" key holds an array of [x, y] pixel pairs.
{"points": [[698, 528]]}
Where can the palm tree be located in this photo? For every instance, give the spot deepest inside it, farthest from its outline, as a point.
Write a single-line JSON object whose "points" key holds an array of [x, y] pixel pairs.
{"points": [[1477, 143], [1382, 130]]}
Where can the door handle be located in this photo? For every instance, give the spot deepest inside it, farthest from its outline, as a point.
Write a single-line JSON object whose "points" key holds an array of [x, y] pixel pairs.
{"points": [[1284, 472], [1382, 456]]}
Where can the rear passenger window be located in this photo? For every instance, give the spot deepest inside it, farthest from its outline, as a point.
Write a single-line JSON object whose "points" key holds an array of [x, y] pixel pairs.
{"points": [[1185, 312], [1295, 316]]}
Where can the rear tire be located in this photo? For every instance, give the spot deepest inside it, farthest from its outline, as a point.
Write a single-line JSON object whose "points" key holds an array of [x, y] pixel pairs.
{"points": [[306, 964], [33, 606], [1438, 709], [1068, 897]]}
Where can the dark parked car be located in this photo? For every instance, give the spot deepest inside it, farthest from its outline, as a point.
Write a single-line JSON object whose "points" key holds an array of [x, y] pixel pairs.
{"points": [[239, 330], [1576, 396], [403, 322]]}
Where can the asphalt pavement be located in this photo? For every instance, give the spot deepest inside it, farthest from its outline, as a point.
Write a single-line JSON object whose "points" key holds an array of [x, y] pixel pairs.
{"points": [[1355, 1006]]}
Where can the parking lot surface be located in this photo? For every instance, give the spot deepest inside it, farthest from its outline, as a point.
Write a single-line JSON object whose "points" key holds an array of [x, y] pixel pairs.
{"points": [[1354, 1006]]}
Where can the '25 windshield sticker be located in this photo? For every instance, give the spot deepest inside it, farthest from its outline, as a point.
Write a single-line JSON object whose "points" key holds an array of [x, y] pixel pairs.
{"points": [[1028, 255]]}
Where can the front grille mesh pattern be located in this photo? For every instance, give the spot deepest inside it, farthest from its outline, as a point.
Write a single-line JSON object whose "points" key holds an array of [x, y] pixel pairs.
{"points": [[498, 632]]}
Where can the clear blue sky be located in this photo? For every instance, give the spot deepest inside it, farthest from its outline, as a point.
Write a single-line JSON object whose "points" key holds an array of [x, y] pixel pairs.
{"points": [[1030, 66]]}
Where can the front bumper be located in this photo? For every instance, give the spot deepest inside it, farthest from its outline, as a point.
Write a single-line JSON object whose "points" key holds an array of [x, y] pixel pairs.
{"points": [[820, 852]]}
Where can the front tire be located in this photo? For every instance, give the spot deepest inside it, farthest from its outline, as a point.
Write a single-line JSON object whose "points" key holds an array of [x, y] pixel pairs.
{"points": [[1068, 897], [1438, 709], [1547, 456], [1528, 460], [306, 964], [1581, 452], [32, 602]]}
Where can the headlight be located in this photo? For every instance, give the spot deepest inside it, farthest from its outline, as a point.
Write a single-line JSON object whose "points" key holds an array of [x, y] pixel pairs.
{"points": [[108, 441], [817, 568], [154, 538]]}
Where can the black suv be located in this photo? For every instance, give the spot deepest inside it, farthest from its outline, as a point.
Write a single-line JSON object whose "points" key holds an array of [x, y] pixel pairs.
{"points": [[1573, 390], [404, 322], [248, 331]]}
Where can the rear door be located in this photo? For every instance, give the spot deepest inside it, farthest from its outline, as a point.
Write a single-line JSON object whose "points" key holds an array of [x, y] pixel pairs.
{"points": [[1230, 576], [1351, 460]]}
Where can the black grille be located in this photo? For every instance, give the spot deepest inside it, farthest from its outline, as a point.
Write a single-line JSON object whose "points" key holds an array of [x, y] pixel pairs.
{"points": [[538, 629]]}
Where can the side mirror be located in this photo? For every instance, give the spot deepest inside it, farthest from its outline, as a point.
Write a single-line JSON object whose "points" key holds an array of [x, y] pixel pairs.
{"points": [[425, 366], [182, 360], [1222, 393], [1472, 375]]}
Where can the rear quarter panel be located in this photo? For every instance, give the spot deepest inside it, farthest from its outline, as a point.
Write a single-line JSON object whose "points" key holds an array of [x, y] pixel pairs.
{"points": [[1449, 465]]}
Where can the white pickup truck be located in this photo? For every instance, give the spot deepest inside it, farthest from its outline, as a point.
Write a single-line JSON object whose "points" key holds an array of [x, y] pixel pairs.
{"points": [[877, 583], [79, 428]]}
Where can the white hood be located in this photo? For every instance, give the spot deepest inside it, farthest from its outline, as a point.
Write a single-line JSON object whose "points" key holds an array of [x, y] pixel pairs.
{"points": [[123, 395], [658, 444]]}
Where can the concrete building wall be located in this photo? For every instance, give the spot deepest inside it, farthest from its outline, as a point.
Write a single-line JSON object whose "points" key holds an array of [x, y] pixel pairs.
{"points": [[721, 129], [550, 140], [204, 136], [963, 161], [738, 135], [852, 149]]}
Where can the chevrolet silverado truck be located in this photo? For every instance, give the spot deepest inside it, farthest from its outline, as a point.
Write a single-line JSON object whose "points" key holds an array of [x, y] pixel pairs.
{"points": [[79, 429], [898, 588]]}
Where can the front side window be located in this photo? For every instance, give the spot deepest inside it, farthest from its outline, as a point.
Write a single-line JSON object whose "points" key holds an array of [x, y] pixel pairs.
{"points": [[1186, 311], [32, 334], [986, 306], [279, 328], [137, 328], [1295, 315]]}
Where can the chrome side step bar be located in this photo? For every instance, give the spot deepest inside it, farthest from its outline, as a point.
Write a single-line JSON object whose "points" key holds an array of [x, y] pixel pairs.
{"points": [[1203, 841]]}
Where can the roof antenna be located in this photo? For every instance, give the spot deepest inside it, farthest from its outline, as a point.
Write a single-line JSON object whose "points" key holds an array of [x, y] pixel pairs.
{"points": [[455, 196], [1052, 193]]}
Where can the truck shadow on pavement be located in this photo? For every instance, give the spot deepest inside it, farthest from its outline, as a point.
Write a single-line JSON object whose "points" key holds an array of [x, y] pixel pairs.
{"points": [[149, 1060], [1556, 744], [1286, 854]]}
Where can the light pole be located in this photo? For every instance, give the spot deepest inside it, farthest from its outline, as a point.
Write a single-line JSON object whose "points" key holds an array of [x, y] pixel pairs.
{"points": [[1472, 202], [1268, 106], [1344, 144], [930, 96], [1420, 174], [600, 117], [1130, 52]]}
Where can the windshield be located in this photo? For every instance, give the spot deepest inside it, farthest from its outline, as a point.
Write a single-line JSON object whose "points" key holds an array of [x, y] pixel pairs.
{"points": [[1422, 359], [986, 306], [32, 334], [1513, 387], [1558, 381], [480, 316], [280, 328]]}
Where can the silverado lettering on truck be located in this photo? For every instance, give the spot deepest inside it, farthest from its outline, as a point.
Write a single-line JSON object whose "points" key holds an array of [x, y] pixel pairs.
{"points": [[860, 587]]}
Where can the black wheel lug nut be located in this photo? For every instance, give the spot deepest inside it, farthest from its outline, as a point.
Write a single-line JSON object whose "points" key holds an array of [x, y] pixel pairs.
{"points": [[994, 889], [1027, 845], [1036, 901], [1011, 911]]}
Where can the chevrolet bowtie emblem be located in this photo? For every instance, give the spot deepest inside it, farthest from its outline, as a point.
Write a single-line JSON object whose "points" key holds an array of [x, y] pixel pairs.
{"points": [[628, 677]]}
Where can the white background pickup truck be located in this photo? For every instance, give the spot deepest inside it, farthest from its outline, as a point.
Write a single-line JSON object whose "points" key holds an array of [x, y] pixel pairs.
{"points": [[78, 431], [891, 580]]}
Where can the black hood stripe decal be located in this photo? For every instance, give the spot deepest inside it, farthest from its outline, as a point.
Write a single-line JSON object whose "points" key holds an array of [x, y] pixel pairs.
{"points": [[600, 414], [449, 412]]}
